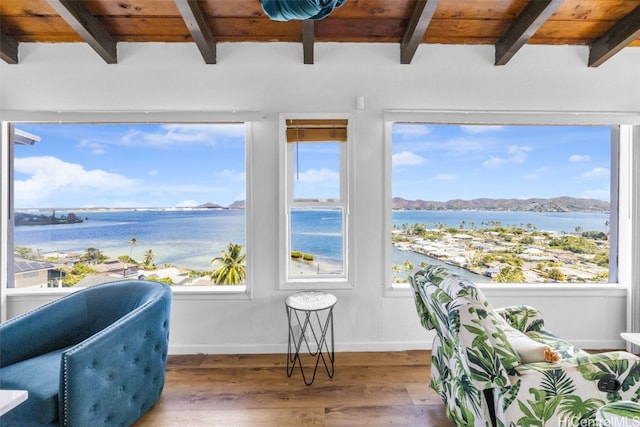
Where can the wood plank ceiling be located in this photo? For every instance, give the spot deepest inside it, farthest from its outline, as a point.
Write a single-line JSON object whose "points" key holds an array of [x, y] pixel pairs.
{"points": [[606, 26]]}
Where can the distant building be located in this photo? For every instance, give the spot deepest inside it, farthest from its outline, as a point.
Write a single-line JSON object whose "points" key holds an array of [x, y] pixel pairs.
{"points": [[203, 281], [94, 280], [69, 259], [113, 267], [30, 273], [178, 277]]}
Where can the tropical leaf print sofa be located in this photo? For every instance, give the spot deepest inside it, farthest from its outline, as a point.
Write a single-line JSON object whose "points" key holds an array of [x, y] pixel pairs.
{"points": [[502, 367]]}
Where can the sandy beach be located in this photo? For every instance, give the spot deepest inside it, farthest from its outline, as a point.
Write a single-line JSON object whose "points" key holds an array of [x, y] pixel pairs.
{"points": [[298, 267]]}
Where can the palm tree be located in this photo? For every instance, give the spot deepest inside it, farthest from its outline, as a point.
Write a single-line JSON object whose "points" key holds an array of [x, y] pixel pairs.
{"points": [[510, 274], [230, 266], [148, 258], [132, 242]]}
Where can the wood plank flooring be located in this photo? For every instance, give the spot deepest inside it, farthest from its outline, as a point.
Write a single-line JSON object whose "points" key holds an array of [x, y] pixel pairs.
{"points": [[377, 388]]}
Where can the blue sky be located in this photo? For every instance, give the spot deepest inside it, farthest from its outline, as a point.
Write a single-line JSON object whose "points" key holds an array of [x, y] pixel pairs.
{"points": [[445, 162], [151, 165], [139, 165]]}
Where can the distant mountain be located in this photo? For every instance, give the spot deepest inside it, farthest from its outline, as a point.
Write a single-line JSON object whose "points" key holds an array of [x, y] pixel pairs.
{"points": [[210, 206], [556, 204], [238, 204]]}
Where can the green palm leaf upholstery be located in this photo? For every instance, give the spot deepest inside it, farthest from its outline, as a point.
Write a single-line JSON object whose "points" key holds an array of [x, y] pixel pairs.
{"points": [[480, 375]]}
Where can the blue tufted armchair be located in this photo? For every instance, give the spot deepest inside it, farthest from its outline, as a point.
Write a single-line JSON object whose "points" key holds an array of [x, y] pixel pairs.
{"points": [[94, 357]]}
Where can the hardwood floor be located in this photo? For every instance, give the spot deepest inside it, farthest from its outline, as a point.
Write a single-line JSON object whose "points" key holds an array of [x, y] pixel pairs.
{"points": [[254, 390]]}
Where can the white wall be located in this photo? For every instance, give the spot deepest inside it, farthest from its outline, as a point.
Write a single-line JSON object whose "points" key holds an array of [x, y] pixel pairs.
{"points": [[272, 78]]}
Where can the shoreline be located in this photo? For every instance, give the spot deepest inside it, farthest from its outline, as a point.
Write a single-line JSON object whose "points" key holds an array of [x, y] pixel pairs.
{"points": [[191, 247], [315, 267], [107, 210], [512, 255]]}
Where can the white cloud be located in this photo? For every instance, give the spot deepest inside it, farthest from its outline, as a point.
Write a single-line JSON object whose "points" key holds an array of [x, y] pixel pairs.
{"points": [[411, 129], [187, 204], [152, 172], [95, 147], [406, 158], [518, 154], [595, 173], [173, 134], [515, 154], [579, 158], [476, 129], [493, 162], [446, 177], [318, 176], [53, 179]]}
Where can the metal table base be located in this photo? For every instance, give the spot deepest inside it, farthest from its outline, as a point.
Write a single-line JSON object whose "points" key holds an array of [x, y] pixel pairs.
{"points": [[310, 317]]}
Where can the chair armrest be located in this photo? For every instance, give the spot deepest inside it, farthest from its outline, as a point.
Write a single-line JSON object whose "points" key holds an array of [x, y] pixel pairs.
{"points": [[417, 281], [569, 383], [523, 317], [116, 375], [484, 347]]}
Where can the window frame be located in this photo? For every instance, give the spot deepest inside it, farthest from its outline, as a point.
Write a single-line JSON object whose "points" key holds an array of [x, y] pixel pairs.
{"points": [[287, 202], [621, 175], [10, 119]]}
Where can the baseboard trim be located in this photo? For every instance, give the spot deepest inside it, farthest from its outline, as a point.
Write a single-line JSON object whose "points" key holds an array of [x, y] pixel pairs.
{"points": [[176, 349]]}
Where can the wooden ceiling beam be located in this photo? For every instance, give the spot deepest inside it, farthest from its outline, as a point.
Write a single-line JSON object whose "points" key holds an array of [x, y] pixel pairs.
{"points": [[8, 49], [308, 38], [88, 27], [620, 35], [418, 24], [523, 28], [199, 28]]}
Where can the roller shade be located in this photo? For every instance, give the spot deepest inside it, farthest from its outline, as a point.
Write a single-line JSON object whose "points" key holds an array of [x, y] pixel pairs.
{"points": [[312, 130]]}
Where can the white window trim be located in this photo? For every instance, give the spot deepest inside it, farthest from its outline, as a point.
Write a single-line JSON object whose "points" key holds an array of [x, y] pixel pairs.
{"points": [[624, 185], [345, 281], [10, 117]]}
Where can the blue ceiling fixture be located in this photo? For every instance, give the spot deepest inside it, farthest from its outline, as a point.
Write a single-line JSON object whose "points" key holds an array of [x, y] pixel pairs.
{"points": [[287, 10]]}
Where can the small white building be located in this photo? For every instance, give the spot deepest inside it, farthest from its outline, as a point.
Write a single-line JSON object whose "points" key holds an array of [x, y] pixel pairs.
{"points": [[31, 273]]}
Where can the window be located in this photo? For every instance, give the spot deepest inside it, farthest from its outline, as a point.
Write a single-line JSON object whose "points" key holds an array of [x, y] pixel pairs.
{"points": [[505, 203], [316, 199], [102, 202]]}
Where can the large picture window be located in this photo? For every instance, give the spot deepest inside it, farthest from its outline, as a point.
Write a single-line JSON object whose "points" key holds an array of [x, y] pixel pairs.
{"points": [[102, 202], [510, 204]]}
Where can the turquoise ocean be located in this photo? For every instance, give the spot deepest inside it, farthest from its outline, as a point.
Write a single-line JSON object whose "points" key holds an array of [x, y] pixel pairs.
{"points": [[192, 238]]}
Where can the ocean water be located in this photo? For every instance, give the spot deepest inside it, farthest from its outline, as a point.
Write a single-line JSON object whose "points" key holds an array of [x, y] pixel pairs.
{"points": [[544, 221], [191, 239]]}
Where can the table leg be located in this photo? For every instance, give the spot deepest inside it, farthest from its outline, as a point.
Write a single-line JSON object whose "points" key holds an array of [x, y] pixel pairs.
{"points": [[319, 337]]}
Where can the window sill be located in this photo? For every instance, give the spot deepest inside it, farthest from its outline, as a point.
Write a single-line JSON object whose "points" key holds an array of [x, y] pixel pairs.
{"points": [[210, 292], [310, 284], [179, 292], [506, 289]]}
